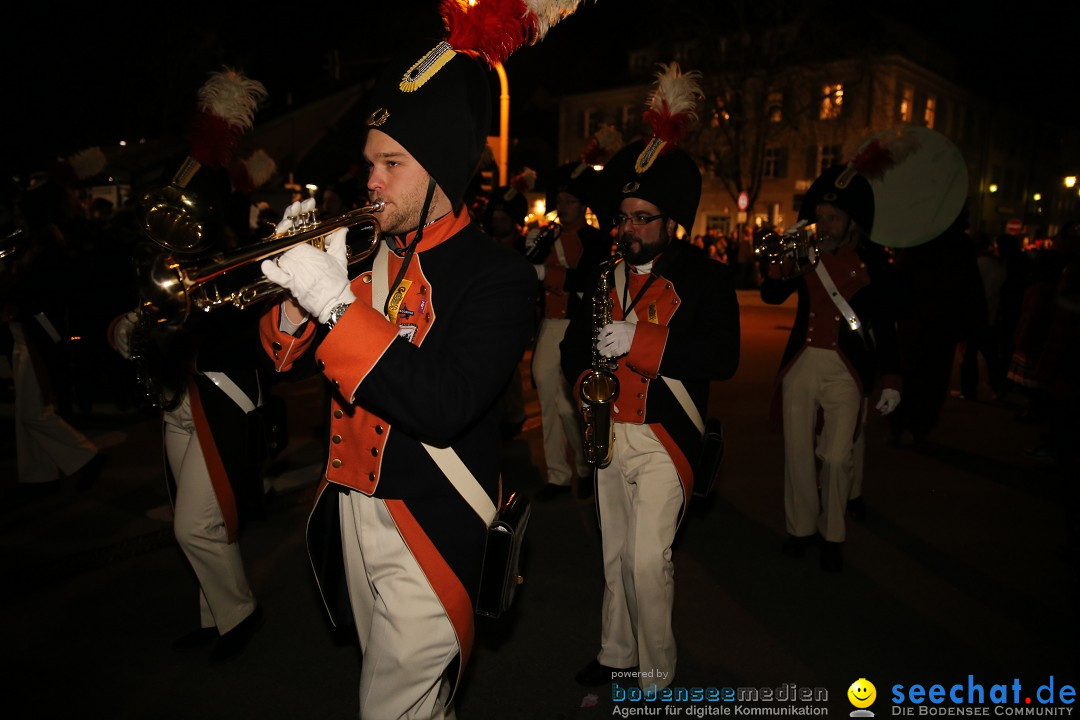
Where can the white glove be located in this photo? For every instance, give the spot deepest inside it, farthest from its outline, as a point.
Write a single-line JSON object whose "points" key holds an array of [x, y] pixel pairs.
{"points": [[616, 338], [541, 272], [122, 334], [318, 280], [889, 400]]}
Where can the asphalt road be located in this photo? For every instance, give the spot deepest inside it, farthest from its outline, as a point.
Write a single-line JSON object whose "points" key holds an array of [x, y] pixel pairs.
{"points": [[963, 572]]}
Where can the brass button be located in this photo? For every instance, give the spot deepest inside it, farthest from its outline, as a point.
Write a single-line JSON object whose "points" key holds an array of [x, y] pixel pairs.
{"points": [[374, 452], [338, 413], [367, 279], [423, 289], [668, 286], [336, 439], [640, 412], [320, 364], [428, 317], [336, 462], [836, 318], [644, 379], [334, 383], [371, 477], [675, 301], [641, 396], [276, 345], [276, 355], [378, 429], [853, 273]]}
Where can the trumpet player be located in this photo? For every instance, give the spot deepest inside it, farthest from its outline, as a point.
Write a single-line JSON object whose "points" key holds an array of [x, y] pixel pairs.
{"points": [[674, 328], [843, 338], [417, 349]]}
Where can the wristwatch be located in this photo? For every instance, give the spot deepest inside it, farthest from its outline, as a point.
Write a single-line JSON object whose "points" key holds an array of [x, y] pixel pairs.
{"points": [[336, 314]]}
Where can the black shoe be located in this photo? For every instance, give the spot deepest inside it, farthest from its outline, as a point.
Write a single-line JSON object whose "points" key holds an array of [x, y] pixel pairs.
{"points": [[233, 642], [196, 639], [856, 508], [594, 674], [550, 492], [832, 557], [584, 489], [91, 471], [795, 546]]}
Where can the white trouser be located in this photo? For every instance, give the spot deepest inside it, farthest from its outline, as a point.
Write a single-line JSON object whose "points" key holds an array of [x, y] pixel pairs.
{"points": [[639, 497], [45, 444], [405, 635], [199, 526], [819, 379], [561, 419]]}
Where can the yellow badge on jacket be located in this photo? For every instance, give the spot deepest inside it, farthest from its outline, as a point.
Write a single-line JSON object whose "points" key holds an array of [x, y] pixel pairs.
{"points": [[396, 300]]}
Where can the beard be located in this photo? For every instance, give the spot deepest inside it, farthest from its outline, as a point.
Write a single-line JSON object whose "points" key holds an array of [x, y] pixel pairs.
{"points": [[646, 251]]}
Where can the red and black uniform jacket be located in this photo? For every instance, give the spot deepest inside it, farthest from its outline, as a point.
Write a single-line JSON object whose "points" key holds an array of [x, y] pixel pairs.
{"points": [[867, 279], [431, 374], [687, 329]]}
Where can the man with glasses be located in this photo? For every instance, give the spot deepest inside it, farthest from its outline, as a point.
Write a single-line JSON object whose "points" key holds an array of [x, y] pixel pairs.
{"points": [[674, 328], [562, 255]]}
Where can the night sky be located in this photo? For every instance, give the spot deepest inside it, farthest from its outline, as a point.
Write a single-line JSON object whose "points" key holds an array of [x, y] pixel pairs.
{"points": [[99, 73]]}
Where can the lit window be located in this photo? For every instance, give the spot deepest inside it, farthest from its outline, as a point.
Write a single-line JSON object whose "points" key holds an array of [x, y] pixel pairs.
{"points": [[832, 99], [931, 108], [775, 105], [907, 103]]}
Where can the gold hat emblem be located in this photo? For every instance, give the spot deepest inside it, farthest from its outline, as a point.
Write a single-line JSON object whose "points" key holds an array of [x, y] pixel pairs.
{"points": [[378, 117]]}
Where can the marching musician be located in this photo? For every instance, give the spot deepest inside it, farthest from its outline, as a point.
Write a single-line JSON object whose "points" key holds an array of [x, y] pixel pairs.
{"points": [[418, 348], [674, 328], [844, 336], [564, 256], [204, 374]]}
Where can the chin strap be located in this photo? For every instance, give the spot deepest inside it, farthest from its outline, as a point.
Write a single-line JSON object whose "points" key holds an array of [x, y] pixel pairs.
{"points": [[408, 252]]}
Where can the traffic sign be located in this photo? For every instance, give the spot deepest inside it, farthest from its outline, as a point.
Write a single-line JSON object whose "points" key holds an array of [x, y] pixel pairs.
{"points": [[1014, 226], [744, 201]]}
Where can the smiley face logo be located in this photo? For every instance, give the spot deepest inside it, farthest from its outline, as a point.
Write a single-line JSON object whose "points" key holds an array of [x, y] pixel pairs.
{"points": [[862, 693]]}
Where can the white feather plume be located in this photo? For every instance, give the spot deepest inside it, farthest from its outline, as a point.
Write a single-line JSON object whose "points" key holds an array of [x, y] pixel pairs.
{"points": [[549, 13], [87, 162], [260, 167], [232, 96], [676, 93]]}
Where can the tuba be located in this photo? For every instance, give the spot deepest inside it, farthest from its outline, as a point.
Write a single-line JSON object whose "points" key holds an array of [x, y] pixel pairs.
{"points": [[794, 252], [599, 388]]}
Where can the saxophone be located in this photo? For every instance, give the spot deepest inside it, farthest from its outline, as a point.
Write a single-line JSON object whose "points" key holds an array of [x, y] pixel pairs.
{"points": [[599, 388]]}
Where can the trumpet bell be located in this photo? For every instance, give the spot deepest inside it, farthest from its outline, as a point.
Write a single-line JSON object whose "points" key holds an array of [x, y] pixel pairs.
{"points": [[794, 252]]}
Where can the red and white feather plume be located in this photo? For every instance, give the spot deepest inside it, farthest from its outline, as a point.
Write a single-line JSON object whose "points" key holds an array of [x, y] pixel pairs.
{"points": [[492, 30], [883, 151], [673, 103], [521, 184], [672, 111], [227, 104], [252, 172]]}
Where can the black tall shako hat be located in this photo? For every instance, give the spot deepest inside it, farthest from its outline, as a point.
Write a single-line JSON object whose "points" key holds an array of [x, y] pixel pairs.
{"points": [[434, 98], [657, 170]]}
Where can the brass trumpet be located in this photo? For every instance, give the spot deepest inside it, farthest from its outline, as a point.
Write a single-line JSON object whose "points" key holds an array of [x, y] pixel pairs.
{"points": [[173, 286], [795, 251]]}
